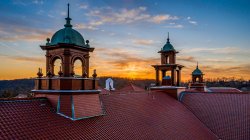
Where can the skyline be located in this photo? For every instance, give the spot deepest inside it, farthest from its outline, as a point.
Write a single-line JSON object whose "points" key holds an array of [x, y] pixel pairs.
{"points": [[128, 34]]}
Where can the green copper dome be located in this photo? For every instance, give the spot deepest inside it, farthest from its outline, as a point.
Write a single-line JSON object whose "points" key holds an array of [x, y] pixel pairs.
{"points": [[197, 71], [68, 35], [168, 46]]}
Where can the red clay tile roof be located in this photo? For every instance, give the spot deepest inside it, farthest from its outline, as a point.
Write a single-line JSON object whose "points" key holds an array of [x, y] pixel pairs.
{"points": [[223, 89], [128, 116], [130, 88], [104, 91], [227, 115]]}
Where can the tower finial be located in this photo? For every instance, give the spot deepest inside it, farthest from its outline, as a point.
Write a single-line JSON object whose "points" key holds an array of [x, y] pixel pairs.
{"points": [[68, 19], [168, 38], [68, 10], [197, 65]]}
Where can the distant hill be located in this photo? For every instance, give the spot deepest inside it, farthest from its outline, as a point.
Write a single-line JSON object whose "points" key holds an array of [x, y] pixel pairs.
{"points": [[21, 87], [12, 88]]}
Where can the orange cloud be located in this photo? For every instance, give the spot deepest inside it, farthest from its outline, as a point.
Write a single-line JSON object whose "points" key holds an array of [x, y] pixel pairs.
{"points": [[143, 42], [121, 63]]}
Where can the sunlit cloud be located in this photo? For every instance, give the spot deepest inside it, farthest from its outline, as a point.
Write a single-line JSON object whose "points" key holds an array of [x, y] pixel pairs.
{"points": [[22, 58], [23, 34], [85, 26], [106, 15], [160, 18], [143, 42], [191, 21], [214, 71], [178, 26], [125, 38], [186, 58], [122, 63], [83, 6], [225, 60], [222, 50]]}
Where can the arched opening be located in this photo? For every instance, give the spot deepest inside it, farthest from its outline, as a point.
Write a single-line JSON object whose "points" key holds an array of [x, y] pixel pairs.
{"points": [[167, 60], [197, 79], [57, 64], [78, 67]]}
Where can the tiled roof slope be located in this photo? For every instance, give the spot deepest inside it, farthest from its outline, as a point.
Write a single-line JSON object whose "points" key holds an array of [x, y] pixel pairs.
{"points": [[104, 91], [227, 115], [131, 88], [223, 89], [128, 116]]}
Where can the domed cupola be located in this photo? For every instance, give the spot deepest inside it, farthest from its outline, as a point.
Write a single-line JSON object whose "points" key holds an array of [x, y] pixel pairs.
{"points": [[197, 80], [68, 35], [168, 46], [197, 71]]}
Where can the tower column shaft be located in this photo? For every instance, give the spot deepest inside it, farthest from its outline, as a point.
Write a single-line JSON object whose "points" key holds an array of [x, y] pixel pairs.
{"points": [[178, 77], [173, 77], [87, 65], [47, 61], [157, 77], [67, 66], [163, 73]]}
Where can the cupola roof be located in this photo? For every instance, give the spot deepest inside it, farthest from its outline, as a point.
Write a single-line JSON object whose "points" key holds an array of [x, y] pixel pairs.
{"points": [[68, 35]]}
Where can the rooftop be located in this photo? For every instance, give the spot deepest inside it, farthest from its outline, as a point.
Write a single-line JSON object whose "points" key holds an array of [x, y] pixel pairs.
{"points": [[127, 116], [226, 115]]}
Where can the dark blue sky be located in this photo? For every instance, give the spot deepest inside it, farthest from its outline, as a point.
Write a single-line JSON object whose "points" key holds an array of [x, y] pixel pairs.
{"points": [[213, 32]]}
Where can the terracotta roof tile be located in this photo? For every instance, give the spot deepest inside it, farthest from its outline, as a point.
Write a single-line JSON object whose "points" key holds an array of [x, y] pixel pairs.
{"points": [[130, 88], [127, 116], [227, 115], [223, 89]]}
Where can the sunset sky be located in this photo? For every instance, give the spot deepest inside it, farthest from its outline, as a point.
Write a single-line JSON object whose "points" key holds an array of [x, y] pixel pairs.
{"points": [[127, 35]]}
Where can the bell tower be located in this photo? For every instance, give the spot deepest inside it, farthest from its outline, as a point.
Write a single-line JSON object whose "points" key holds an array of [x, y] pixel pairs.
{"points": [[67, 45], [197, 80], [74, 96], [170, 84], [168, 63]]}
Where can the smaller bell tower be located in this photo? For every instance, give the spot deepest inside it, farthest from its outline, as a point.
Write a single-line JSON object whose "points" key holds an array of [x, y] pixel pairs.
{"points": [[197, 80], [170, 84], [168, 63]]}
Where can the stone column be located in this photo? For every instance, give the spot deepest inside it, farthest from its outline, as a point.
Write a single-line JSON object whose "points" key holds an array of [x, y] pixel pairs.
{"points": [[67, 66], [178, 77], [163, 73], [173, 77], [47, 61], [157, 77], [87, 64]]}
